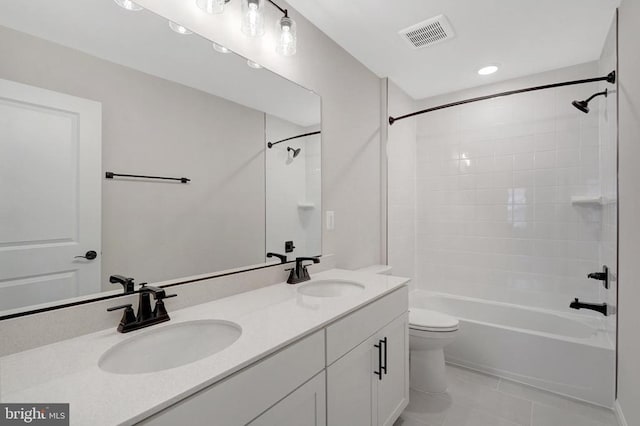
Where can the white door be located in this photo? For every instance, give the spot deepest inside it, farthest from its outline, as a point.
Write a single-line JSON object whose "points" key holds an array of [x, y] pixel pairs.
{"points": [[393, 389], [50, 177], [351, 387]]}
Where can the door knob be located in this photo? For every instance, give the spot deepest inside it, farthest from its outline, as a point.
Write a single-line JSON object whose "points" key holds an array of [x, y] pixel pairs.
{"points": [[90, 255]]}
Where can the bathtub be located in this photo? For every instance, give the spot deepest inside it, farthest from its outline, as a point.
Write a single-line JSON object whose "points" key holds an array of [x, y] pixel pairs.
{"points": [[560, 352]]}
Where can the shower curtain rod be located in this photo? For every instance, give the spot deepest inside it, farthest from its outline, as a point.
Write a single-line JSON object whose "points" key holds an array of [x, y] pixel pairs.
{"points": [[611, 78], [270, 144]]}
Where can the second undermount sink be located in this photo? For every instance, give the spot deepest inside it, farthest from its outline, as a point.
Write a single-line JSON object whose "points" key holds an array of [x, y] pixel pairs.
{"points": [[168, 347], [330, 288]]}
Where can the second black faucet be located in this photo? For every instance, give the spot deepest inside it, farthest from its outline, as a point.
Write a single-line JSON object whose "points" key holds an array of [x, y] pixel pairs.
{"points": [[300, 273]]}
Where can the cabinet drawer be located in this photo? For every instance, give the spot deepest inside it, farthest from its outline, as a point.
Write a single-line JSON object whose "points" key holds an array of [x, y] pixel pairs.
{"points": [[240, 398], [349, 332]]}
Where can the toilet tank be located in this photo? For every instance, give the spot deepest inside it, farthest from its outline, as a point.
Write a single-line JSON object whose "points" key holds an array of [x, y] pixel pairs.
{"points": [[377, 269]]}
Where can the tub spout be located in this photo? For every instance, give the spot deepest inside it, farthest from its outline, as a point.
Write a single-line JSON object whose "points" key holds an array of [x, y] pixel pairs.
{"points": [[598, 307]]}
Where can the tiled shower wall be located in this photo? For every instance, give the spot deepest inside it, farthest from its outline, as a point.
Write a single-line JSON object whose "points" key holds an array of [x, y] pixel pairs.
{"points": [[495, 182]]}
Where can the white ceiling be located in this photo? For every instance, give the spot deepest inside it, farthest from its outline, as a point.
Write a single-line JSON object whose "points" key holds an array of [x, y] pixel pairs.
{"points": [[143, 41], [522, 36]]}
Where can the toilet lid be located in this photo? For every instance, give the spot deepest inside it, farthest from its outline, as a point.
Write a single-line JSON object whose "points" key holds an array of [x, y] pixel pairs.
{"points": [[424, 319]]}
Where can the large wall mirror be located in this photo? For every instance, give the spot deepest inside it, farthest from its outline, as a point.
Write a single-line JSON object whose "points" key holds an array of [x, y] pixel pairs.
{"points": [[90, 91]]}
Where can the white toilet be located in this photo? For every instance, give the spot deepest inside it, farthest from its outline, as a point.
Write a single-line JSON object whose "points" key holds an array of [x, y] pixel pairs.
{"points": [[429, 333]]}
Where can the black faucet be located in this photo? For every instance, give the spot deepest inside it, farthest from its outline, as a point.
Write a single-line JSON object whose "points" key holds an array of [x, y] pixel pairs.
{"points": [[282, 257], [598, 307], [127, 283], [300, 273], [145, 317]]}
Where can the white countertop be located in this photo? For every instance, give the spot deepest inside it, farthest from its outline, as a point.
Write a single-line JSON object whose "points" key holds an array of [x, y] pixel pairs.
{"points": [[271, 318]]}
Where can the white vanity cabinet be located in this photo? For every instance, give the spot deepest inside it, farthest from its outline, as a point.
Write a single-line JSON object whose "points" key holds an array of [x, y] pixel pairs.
{"points": [[306, 406], [369, 384], [327, 378], [260, 388]]}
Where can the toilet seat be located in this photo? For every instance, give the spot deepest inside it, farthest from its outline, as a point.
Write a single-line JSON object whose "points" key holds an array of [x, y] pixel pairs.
{"points": [[426, 320]]}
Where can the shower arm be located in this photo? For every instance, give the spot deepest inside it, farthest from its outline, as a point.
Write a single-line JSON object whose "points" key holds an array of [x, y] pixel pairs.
{"points": [[610, 78], [603, 93], [271, 144]]}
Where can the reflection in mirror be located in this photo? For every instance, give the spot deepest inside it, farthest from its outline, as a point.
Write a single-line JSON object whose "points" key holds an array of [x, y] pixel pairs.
{"points": [[88, 88], [294, 222]]}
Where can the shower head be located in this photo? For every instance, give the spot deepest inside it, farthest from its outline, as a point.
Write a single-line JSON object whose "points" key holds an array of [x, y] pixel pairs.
{"points": [[296, 152], [584, 105], [581, 105]]}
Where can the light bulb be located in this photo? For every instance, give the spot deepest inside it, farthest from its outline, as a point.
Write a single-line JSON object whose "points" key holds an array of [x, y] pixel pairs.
{"points": [[253, 64], [220, 48], [253, 18], [211, 7], [179, 28], [129, 5], [287, 40]]}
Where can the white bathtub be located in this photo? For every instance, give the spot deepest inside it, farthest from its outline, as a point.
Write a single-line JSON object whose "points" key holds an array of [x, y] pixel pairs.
{"points": [[560, 352]]}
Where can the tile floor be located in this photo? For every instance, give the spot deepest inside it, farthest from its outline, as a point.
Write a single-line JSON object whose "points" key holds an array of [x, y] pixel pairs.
{"points": [[476, 399]]}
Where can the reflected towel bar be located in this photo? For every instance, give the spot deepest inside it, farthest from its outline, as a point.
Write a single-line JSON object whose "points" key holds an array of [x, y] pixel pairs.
{"points": [[111, 175]]}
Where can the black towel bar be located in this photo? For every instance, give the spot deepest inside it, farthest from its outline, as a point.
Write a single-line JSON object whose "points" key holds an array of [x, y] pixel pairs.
{"points": [[111, 175]]}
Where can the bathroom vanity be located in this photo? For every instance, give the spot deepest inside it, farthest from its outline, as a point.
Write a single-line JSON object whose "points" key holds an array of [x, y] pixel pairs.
{"points": [[333, 350]]}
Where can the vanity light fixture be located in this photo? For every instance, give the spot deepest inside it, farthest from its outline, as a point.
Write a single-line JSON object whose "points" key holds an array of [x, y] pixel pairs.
{"points": [[220, 48], [253, 18], [287, 41], [254, 65], [489, 69], [129, 5], [212, 7], [179, 28], [252, 22]]}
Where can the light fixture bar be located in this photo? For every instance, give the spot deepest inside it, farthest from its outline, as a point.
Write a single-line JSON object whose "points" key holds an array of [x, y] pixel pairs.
{"points": [[284, 11]]}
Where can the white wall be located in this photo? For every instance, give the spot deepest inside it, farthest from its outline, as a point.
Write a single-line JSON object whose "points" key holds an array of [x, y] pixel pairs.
{"points": [[155, 231], [494, 186], [350, 118], [629, 193], [401, 175], [291, 182]]}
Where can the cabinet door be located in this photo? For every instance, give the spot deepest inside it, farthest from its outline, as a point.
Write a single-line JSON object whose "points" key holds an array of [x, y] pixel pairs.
{"points": [[351, 387], [306, 406], [393, 389], [240, 398]]}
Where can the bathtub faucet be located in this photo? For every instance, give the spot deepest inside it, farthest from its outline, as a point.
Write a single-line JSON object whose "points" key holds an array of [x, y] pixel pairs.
{"points": [[598, 307]]}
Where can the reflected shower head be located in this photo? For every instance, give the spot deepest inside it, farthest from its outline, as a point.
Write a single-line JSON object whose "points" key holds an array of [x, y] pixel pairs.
{"points": [[581, 105], [584, 105], [296, 152]]}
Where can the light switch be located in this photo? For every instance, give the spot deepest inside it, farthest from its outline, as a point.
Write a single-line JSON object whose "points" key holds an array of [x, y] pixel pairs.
{"points": [[331, 220]]}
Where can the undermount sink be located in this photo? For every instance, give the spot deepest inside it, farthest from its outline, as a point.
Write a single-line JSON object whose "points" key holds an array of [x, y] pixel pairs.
{"points": [[169, 347], [330, 288]]}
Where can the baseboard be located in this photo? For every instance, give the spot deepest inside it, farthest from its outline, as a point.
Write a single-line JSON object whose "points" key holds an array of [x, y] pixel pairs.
{"points": [[619, 414]]}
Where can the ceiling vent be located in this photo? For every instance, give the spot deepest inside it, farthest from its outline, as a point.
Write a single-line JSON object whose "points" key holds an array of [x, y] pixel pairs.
{"points": [[427, 33]]}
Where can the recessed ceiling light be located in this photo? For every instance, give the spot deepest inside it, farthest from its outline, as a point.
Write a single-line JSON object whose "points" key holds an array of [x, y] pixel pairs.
{"points": [[128, 4], [253, 65], [490, 69], [220, 48], [179, 28]]}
